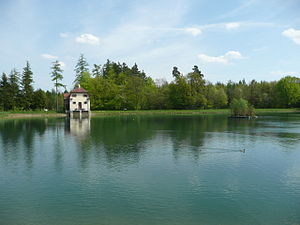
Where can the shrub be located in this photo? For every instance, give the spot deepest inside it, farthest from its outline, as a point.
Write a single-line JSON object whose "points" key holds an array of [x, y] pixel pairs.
{"points": [[241, 107]]}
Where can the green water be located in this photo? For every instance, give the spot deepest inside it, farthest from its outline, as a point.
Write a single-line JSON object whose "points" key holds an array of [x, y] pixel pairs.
{"points": [[150, 170]]}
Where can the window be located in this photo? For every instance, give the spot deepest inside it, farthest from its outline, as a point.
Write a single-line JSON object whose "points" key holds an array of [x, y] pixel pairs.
{"points": [[74, 102], [74, 95], [85, 102], [85, 95]]}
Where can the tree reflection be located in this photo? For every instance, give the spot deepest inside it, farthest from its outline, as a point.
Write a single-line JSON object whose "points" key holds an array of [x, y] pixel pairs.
{"points": [[18, 138], [124, 140]]}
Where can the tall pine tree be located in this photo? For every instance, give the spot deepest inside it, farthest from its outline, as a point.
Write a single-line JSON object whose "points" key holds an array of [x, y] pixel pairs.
{"points": [[14, 92], [81, 68], [27, 89], [4, 90], [57, 77], [97, 70]]}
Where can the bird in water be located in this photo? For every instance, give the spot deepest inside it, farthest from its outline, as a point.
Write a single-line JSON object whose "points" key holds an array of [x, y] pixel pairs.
{"points": [[243, 150]]}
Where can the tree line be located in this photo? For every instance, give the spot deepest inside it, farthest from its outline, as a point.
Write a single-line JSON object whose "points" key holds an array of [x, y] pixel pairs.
{"points": [[117, 86], [17, 92]]}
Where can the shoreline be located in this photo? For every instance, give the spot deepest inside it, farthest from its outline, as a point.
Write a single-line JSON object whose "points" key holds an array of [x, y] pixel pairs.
{"points": [[12, 115], [23, 115]]}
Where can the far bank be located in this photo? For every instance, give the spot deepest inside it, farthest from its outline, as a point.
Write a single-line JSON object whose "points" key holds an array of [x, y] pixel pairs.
{"points": [[36, 114]]}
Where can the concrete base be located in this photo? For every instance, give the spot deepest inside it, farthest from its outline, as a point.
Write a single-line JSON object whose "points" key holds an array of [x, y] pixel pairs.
{"points": [[79, 114]]}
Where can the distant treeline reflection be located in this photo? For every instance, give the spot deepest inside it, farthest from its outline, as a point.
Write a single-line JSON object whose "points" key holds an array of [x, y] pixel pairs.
{"points": [[123, 139]]}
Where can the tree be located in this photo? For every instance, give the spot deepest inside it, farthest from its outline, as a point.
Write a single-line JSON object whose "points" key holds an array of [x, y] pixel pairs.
{"points": [[175, 72], [221, 99], [197, 84], [180, 94], [80, 68], [288, 89], [97, 70], [241, 107], [134, 88], [216, 97], [197, 71], [14, 88], [39, 99], [57, 76], [51, 98], [27, 89], [4, 90], [85, 80]]}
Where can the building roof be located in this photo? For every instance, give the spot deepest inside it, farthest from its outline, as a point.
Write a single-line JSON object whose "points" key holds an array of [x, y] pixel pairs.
{"points": [[79, 90], [66, 95]]}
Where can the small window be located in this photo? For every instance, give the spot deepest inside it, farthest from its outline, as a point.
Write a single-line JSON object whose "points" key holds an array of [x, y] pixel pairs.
{"points": [[74, 95], [74, 102], [85, 95], [85, 102]]}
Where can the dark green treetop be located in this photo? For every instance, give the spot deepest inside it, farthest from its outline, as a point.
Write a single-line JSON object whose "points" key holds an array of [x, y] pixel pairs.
{"points": [[27, 88], [175, 72], [81, 67]]}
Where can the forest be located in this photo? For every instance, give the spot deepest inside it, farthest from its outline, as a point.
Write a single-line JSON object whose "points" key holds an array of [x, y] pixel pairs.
{"points": [[117, 86]]}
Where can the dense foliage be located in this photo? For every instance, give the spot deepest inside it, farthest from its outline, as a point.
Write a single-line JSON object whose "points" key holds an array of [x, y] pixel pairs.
{"points": [[241, 107], [117, 86], [17, 93]]}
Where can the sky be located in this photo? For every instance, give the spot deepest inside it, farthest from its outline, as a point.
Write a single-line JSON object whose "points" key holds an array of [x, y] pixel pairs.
{"points": [[228, 40]]}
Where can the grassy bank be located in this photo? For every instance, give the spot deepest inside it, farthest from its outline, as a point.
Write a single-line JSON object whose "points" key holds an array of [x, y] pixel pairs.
{"points": [[160, 112], [28, 114], [185, 112]]}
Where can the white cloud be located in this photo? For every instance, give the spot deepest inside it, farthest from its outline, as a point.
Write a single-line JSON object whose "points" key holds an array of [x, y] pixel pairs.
{"points": [[236, 25], [193, 30], [223, 59], [292, 34], [233, 55], [212, 59], [88, 39], [48, 56], [231, 26]]}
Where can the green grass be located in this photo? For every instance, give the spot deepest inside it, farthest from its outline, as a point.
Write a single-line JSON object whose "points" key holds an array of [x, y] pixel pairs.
{"points": [[28, 112], [20, 114], [164, 112], [184, 112], [278, 110]]}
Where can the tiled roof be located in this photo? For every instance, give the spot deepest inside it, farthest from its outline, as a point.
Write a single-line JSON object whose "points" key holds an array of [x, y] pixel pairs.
{"points": [[66, 95], [79, 90]]}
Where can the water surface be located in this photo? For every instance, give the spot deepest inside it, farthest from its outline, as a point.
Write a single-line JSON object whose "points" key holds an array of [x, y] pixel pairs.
{"points": [[150, 170]]}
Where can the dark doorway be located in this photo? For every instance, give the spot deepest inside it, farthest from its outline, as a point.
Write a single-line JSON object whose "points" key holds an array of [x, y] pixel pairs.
{"points": [[80, 105]]}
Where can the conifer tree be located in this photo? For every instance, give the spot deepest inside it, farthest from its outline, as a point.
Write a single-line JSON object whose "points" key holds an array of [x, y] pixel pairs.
{"points": [[14, 88], [57, 77], [27, 89], [197, 71], [97, 70], [4, 90], [175, 72], [80, 68]]}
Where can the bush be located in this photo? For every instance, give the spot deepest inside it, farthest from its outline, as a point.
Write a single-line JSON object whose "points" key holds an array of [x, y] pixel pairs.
{"points": [[241, 107]]}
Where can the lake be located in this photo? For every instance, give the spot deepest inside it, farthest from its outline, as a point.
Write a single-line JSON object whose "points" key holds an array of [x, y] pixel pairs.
{"points": [[150, 170]]}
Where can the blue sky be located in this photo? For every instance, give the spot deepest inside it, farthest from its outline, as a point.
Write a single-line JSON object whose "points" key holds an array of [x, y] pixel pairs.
{"points": [[228, 40]]}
